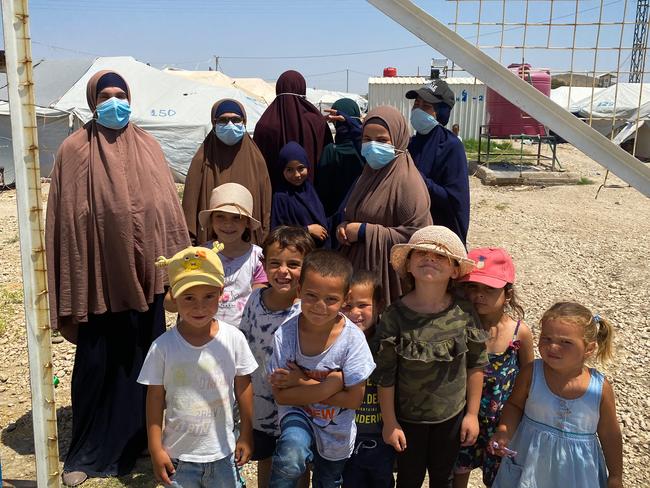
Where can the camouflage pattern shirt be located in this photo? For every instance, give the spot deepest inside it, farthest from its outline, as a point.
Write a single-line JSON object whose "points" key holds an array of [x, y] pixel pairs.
{"points": [[426, 358]]}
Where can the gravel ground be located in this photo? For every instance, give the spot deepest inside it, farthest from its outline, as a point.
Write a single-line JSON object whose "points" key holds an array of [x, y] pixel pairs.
{"points": [[566, 245]]}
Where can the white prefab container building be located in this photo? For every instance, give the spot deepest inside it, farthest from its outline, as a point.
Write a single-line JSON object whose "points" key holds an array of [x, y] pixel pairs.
{"points": [[468, 111]]}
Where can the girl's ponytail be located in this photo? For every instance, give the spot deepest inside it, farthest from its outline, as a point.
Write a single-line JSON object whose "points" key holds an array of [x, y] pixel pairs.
{"points": [[604, 336]]}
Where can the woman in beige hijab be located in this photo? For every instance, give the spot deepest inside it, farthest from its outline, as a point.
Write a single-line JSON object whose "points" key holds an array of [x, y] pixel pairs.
{"points": [[389, 201], [227, 155], [112, 210]]}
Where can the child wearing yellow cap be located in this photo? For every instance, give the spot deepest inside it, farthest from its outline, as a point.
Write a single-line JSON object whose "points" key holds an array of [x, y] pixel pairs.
{"points": [[194, 372]]}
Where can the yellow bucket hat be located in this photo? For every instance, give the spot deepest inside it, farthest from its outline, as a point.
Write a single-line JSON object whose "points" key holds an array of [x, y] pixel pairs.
{"points": [[194, 266]]}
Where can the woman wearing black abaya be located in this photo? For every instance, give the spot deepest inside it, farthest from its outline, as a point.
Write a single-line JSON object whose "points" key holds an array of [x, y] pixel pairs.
{"points": [[290, 117]]}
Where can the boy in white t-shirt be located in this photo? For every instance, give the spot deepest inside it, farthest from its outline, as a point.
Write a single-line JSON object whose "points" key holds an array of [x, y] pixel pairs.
{"points": [[194, 372]]}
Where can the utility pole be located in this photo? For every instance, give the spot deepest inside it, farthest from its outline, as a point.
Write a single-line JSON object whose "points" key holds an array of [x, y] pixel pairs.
{"points": [[640, 42], [216, 63], [347, 80]]}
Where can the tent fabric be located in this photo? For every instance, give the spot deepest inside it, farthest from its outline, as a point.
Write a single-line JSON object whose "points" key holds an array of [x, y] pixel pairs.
{"points": [[174, 110], [571, 98], [52, 79]]}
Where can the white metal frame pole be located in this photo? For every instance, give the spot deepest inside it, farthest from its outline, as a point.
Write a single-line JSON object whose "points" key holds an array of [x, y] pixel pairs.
{"points": [[32, 243], [517, 91]]}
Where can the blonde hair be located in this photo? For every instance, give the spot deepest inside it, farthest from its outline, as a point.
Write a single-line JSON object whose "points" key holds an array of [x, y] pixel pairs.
{"points": [[595, 328]]}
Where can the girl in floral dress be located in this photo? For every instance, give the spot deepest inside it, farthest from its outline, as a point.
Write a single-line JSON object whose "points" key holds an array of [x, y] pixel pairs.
{"points": [[510, 346]]}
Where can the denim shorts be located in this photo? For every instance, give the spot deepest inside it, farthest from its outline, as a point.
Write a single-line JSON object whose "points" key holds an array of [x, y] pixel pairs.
{"points": [[218, 474]]}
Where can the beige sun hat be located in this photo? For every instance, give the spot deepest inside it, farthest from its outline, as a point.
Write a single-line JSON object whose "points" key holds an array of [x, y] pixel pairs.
{"points": [[434, 238], [231, 198]]}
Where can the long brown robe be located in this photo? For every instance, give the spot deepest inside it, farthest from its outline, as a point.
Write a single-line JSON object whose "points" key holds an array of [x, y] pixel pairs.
{"points": [[112, 210], [392, 201], [216, 163], [291, 117]]}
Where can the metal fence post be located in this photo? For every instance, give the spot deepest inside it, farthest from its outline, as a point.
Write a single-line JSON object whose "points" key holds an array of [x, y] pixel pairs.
{"points": [[15, 19]]}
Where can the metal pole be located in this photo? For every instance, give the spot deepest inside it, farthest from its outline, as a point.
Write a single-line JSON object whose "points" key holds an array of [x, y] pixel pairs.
{"points": [[347, 80], [32, 244], [517, 91]]}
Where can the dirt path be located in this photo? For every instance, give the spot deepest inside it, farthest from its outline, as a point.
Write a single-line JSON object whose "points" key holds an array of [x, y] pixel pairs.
{"points": [[566, 245]]}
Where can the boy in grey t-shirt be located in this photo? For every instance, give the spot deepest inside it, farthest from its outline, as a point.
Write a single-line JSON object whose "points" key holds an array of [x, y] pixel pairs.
{"points": [[318, 371]]}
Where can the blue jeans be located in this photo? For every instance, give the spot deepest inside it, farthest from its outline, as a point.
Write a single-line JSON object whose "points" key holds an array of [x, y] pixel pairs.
{"points": [[296, 447], [371, 465], [217, 474]]}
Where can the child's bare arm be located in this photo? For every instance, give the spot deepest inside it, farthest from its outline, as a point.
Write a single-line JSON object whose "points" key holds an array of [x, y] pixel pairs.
{"points": [[350, 397], [392, 431], [290, 376], [526, 350], [162, 465], [244, 395], [469, 427], [609, 433], [513, 410], [312, 393]]}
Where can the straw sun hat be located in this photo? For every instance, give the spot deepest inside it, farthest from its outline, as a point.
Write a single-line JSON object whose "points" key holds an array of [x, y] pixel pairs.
{"points": [[434, 238], [230, 198]]}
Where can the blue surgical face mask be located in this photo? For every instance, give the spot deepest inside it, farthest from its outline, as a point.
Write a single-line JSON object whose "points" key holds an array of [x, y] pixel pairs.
{"points": [[113, 113], [377, 154], [230, 133], [422, 122]]}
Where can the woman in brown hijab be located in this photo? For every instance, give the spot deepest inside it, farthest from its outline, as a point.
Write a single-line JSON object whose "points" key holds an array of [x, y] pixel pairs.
{"points": [[227, 155], [291, 117], [389, 201], [112, 210]]}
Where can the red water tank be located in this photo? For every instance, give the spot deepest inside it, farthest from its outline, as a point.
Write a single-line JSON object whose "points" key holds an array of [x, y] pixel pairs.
{"points": [[505, 119], [390, 72]]}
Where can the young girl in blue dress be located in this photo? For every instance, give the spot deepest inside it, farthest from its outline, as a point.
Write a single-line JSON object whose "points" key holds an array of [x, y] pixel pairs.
{"points": [[490, 288], [559, 426]]}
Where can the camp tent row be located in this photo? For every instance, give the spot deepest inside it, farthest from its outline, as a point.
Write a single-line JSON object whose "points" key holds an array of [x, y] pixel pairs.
{"points": [[173, 108]]}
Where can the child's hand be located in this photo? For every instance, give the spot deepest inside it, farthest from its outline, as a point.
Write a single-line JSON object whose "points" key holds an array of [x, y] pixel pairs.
{"points": [[287, 378], [502, 439], [317, 231], [394, 436], [469, 430], [162, 466], [243, 450], [336, 377]]}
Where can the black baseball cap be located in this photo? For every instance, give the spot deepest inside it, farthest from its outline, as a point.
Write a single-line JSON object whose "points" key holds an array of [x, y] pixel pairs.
{"points": [[436, 92]]}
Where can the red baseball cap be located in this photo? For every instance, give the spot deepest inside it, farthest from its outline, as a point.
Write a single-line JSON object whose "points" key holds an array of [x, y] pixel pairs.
{"points": [[494, 267]]}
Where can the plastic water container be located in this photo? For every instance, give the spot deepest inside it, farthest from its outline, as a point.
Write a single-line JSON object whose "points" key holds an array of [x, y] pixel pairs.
{"points": [[390, 72], [504, 118]]}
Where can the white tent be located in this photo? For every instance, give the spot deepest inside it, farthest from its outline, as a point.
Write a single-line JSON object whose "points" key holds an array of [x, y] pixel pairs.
{"points": [[265, 91], [615, 109], [571, 98], [174, 110]]}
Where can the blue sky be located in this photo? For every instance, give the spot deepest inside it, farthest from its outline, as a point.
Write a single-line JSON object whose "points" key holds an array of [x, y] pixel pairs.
{"points": [[316, 37]]}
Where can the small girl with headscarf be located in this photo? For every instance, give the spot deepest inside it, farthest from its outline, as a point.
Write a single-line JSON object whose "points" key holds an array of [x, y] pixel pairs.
{"points": [[296, 202]]}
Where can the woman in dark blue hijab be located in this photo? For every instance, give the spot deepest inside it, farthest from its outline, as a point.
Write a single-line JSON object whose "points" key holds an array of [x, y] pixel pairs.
{"points": [[341, 163], [295, 202]]}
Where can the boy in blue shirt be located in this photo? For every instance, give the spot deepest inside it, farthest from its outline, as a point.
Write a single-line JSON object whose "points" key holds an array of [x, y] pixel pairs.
{"points": [[318, 371]]}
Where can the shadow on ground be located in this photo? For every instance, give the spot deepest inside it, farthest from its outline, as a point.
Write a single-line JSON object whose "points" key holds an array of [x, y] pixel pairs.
{"points": [[19, 436]]}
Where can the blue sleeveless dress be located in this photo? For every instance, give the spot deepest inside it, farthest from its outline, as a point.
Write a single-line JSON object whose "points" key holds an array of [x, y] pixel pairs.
{"points": [[556, 441]]}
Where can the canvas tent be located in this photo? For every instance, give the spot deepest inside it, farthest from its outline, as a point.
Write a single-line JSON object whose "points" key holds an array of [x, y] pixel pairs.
{"points": [[174, 110], [571, 98], [265, 91], [615, 110]]}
